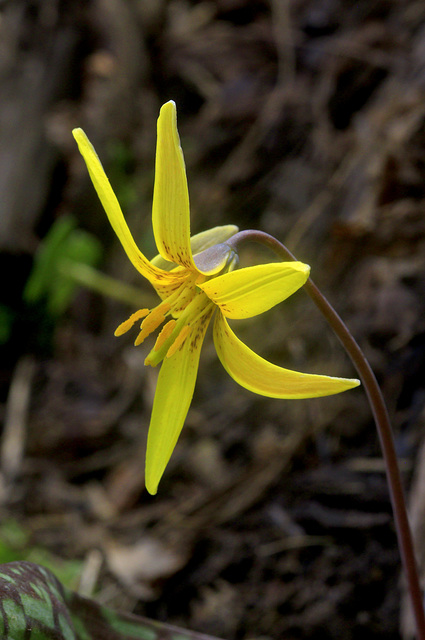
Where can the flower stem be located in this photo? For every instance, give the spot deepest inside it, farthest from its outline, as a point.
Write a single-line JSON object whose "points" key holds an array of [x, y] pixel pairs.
{"points": [[382, 421]]}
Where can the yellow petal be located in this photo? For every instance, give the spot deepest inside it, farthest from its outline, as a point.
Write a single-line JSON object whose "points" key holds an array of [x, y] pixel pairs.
{"points": [[247, 292], [214, 259], [216, 235], [174, 391], [170, 209], [260, 376], [199, 242], [113, 209]]}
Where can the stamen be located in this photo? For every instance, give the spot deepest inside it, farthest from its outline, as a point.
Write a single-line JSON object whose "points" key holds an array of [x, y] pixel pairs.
{"points": [[127, 324], [152, 322], [179, 340], [165, 333]]}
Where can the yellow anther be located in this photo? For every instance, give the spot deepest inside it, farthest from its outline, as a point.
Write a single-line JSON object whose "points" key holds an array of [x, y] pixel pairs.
{"points": [[127, 324], [152, 322], [179, 340], [146, 329], [165, 333], [156, 316]]}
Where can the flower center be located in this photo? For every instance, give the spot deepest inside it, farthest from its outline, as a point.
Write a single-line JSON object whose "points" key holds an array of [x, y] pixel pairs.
{"points": [[186, 305]]}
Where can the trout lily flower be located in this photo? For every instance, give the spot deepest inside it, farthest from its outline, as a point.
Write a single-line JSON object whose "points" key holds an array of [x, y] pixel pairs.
{"points": [[195, 278]]}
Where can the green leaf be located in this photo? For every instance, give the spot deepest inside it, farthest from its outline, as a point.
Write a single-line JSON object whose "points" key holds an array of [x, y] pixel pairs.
{"points": [[35, 604], [80, 248], [6, 321], [15, 544], [48, 280]]}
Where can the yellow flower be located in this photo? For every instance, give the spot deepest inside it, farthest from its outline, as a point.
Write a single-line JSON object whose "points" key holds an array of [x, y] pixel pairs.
{"points": [[195, 278]]}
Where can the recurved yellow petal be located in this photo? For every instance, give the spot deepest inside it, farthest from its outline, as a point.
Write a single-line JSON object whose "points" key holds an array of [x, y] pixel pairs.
{"points": [[199, 242], [214, 259], [247, 292], [170, 209], [262, 377], [174, 391], [216, 235], [113, 209]]}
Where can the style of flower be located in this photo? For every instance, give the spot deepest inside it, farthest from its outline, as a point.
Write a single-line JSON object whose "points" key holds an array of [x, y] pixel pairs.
{"points": [[194, 279]]}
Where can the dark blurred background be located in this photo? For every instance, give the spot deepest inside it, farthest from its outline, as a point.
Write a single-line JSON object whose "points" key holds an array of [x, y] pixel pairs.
{"points": [[302, 118]]}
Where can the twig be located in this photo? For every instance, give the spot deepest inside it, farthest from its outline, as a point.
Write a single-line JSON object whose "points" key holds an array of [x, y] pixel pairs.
{"points": [[13, 437]]}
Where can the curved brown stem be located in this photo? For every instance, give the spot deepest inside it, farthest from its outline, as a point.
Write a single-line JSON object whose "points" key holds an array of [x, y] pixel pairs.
{"points": [[382, 421]]}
